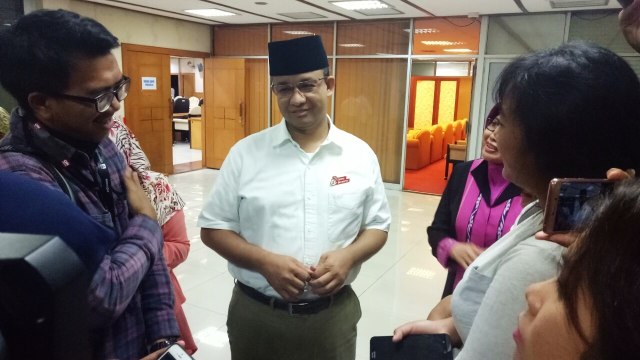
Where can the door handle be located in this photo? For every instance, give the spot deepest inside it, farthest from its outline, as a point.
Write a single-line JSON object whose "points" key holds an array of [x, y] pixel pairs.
{"points": [[241, 111]]}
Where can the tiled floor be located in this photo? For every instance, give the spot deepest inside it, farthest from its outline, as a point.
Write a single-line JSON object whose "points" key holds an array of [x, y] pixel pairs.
{"points": [[400, 283], [183, 153]]}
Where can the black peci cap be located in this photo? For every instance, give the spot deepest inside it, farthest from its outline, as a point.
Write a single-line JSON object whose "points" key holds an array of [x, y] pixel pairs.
{"points": [[297, 56]]}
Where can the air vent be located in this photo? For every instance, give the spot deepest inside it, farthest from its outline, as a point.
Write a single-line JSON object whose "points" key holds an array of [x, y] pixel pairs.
{"points": [[376, 12], [562, 4], [303, 15]]}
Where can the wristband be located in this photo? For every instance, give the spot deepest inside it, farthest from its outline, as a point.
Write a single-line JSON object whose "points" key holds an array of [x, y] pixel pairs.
{"points": [[161, 344]]}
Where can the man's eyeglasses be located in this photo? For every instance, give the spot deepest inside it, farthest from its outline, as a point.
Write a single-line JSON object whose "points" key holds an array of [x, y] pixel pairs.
{"points": [[285, 91], [103, 101]]}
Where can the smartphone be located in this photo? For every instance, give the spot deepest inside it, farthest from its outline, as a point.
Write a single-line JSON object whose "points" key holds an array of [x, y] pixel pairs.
{"points": [[423, 347], [625, 3], [570, 202], [175, 352]]}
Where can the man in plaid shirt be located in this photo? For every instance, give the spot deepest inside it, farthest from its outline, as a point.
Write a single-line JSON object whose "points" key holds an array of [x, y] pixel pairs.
{"points": [[59, 67]]}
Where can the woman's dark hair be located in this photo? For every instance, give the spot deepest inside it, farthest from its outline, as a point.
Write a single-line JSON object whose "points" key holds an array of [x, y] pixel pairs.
{"points": [[37, 53], [604, 266], [578, 106]]}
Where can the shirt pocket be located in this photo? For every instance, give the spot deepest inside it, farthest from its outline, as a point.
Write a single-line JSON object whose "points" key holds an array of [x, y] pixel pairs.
{"points": [[346, 211]]}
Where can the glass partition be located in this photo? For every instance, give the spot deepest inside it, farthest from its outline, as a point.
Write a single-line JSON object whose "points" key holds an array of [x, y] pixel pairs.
{"points": [[373, 38]]}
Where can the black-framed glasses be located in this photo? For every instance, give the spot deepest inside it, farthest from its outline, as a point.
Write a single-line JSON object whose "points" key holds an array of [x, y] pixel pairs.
{"points": [[493, 120], [103, 101], [285, 91]]}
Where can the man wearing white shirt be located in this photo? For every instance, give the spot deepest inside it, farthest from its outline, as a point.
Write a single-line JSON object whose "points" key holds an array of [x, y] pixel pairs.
{"points": [[296, 209]]}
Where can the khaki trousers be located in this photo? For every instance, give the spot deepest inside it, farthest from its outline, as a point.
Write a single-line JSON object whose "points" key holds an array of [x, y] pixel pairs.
{"points": [[257, 331]]}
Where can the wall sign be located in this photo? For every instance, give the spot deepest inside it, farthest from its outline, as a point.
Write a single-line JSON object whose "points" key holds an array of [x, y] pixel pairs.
{"points": [[149, 83]]}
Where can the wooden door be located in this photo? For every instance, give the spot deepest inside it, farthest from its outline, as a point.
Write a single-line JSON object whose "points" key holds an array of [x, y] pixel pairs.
{"points": [[224, 111], [148, 109], [257, 95], [188, 85]]}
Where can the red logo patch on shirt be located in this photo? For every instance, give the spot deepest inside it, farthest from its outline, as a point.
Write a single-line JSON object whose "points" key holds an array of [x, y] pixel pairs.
{"points": [[337, 180]]}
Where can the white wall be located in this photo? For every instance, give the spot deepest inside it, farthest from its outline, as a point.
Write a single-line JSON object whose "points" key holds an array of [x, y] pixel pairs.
{"points": [[190, 66], [175, 65]]}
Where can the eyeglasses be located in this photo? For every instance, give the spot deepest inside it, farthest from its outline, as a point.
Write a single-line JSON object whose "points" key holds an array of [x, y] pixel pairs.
{"points": [[103, 101], [285, 91], [493, 120], [493, 124]]}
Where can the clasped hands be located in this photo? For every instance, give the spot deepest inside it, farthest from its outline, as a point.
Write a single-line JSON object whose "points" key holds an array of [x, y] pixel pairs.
{"points": [[289, 277]]}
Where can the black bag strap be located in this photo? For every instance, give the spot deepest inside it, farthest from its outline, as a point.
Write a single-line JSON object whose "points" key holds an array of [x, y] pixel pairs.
{"points": [[57, 175]]}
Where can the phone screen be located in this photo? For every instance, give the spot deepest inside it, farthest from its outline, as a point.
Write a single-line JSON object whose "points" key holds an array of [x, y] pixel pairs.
{"points": [[422, 346], [175, 352], [574, 205]]}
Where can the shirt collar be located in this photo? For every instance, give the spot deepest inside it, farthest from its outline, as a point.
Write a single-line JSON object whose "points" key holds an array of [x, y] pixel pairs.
{"points": [[481, 176], [27, 132], [282, 136]]}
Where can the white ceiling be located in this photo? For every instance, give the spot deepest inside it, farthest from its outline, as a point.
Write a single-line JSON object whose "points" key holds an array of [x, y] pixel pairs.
{"points": [[251, 13]]}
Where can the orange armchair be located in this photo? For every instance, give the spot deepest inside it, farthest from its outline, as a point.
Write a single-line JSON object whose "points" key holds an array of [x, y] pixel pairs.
{"points": [[447, 137], [457, 130], [418, 149], [437, 139]]}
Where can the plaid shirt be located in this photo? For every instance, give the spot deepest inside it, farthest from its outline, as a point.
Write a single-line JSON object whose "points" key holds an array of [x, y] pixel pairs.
{"points": [[130, 295]]}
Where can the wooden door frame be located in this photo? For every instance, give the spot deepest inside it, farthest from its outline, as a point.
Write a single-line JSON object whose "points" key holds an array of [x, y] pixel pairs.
{"points": [[126, 48]]}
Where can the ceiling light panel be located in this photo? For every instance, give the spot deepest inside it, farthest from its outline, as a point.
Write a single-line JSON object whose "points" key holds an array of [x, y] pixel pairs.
{"points": [[441, 43], [393, 9], [275, 11], [210, 12], [248, 12], [298, 32], [461, 51], [360, 5], [565, 5], [463, 8]]}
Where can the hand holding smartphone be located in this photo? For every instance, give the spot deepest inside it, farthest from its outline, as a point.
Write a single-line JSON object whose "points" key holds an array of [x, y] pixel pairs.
{"points": [[175, 352], [570, 201], [412, 347]]}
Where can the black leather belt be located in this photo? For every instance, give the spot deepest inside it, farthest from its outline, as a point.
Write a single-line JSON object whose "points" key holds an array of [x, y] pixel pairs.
{"points": [[313, 306]]}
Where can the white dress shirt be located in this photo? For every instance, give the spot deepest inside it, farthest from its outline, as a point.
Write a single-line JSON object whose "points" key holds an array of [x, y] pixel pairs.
{"points": [[289, 202]]}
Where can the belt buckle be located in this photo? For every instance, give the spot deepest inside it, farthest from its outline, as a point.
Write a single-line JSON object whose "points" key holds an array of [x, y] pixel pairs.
{"points": [[293, 306]]}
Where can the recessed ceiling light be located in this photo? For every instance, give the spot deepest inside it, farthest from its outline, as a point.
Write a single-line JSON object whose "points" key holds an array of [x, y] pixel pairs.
{"points": [[260, 3], [210, 12], [360, 5], [458, 50], [351, 45], [426, 31], [423, 31], [441, 43], [298, 32]]}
